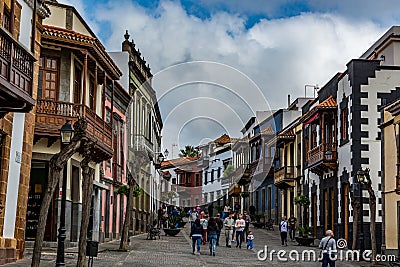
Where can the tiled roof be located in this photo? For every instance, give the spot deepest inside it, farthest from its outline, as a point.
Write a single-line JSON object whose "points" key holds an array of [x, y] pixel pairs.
{"points": [[328, 103], [287, 134], [67, 34], [268, 130], [223, 139], [178, 161]]}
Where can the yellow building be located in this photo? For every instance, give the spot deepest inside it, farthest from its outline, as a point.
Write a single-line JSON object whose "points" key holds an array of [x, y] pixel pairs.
{"points": [[391, 177]]}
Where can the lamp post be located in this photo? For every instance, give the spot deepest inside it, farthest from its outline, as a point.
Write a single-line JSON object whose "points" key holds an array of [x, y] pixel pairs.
{"points": [[66, 133], [166, 153], [361, 180]]}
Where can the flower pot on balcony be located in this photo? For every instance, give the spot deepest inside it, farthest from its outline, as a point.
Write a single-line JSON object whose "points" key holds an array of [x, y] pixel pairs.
{"points": [[171, 232]]}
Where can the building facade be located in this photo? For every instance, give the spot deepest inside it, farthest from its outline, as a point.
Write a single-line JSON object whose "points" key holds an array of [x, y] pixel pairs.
{"points": [[144, 131], [75, 72], [20, 24]]}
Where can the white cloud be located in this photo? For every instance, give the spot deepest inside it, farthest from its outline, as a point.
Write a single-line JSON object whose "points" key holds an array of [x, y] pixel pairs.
{"points": [[280, 55]]}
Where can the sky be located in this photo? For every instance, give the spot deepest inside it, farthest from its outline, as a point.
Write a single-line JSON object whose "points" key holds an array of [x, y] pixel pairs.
{"points": [[248, 55]]}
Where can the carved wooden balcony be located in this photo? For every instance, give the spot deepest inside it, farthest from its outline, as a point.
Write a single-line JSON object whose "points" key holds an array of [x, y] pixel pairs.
{"points": [[285, 176], [322, 157], [51, 115], [16, 75]]}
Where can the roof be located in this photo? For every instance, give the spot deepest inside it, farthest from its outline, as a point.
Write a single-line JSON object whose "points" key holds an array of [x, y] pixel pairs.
{"points": [[289, 133], [327, 103], [268, 130], [223, 139], [178, 161], [82, 42]]}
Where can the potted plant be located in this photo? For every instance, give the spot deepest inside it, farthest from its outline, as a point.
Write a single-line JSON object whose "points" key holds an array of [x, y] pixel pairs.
{"points": [[257, 220], [305, 237]]}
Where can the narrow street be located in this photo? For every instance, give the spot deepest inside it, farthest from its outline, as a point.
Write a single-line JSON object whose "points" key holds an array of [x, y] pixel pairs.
{"points": [[176, 251]]}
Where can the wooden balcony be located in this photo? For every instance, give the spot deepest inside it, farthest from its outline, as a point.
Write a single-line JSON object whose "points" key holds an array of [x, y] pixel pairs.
{"points": [[322, 158], [16, 75], [285, 176], [51, 115]]}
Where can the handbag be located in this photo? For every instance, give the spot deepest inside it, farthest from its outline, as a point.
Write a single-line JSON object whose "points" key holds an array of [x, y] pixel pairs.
{"points": [[321, 255]]}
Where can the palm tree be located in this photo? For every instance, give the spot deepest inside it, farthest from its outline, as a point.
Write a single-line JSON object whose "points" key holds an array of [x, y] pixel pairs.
{"points": [[189, 151]]}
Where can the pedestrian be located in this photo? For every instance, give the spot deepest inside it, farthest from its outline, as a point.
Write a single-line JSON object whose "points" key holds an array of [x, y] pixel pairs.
{"points": [[220, 224], [160, 215], [229, 223], [196, 232], [292, 227], [247, 220], [328, 246], [212, 230], [239, 228], [283, 229], [204, 223], [193, 216], [226, 212], [250, 238], [235, 217]]}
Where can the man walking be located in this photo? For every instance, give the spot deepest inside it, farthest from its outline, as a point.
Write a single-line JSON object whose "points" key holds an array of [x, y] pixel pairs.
{"points": [[328, 246], [239, 228], [220, 224], [229, 222], [283, 229], [292, 227], [247, 221]]}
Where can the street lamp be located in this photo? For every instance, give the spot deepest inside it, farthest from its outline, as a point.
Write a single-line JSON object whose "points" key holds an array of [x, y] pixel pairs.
{"points": [[328, 155], [166, 153], [66, 133], [361, 180]]}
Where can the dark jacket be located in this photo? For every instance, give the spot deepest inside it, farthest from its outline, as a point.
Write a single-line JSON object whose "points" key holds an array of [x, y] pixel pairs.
{"points": [[196, 229], [212, 230], [220, 223]]}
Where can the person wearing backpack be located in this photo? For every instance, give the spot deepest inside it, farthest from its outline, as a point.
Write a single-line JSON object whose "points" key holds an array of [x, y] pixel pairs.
{"points": [[328, 246], [196, 233], [283, 229]]}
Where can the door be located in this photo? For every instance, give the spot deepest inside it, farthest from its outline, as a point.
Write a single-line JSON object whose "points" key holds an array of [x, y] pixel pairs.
{"points": [[314, 214], [48, 78], [326, 210], [346, 211], [263, 200], [332, 210], [75, 194]]}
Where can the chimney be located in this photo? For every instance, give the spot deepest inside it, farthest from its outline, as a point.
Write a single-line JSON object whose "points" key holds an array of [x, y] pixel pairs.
{"points": [[288, 100]]}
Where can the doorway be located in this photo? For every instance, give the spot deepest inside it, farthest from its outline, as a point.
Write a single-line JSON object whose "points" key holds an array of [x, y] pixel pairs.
{"points": [[345, 217]]}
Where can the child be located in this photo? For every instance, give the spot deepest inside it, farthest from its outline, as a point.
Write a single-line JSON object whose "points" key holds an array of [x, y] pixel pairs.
{"points": [[250, 238]]}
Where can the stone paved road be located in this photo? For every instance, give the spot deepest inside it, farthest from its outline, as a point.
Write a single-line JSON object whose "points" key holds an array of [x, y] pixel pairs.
{"points": [[176, 251]]}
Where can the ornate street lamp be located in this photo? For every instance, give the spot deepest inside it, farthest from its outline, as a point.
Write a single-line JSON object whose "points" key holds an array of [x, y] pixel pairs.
{"points": [[328, 155], [166, 153], [66, 133], [159, 160]]}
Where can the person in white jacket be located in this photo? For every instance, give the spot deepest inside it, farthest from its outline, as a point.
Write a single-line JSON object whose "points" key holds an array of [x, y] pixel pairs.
{"points": [[229, 223], [240, 224]]}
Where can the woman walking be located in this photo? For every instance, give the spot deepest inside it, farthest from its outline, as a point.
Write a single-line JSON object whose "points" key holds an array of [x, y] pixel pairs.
{"points": [[239, 227], [196, 234], [212, 230]]}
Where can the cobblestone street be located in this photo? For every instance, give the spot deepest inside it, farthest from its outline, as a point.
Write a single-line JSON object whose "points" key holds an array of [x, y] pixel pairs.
{"points": [[176, 251]]}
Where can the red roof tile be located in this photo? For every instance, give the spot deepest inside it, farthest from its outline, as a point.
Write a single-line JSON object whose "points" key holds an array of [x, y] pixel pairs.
{"points": [[223, 139], [328, 103]]}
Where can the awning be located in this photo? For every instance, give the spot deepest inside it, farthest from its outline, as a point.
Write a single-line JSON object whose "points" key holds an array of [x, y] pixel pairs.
{"points": [[310, 120]]}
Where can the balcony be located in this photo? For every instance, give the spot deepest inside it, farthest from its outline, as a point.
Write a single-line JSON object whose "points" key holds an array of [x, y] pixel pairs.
{"points": [[143, 145], [16, 75], [51, 115], [203, 161], [322, 158], [242, 175], [284, 177]]}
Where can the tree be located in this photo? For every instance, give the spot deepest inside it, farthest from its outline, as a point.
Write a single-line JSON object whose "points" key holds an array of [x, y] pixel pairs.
{"points": [[303, 201], [134, 191], [356, 206], [57, 163], [372, 208], [189, 151]]}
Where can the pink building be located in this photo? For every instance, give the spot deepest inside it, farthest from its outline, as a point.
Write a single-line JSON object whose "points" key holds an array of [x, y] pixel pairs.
{"points": [[113, 205]]}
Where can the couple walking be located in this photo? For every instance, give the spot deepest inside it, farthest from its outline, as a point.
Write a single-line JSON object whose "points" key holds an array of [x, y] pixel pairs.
{"points": [[196, 234]]}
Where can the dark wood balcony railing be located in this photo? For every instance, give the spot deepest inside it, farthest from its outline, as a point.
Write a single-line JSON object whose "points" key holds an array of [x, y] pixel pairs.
{"points": [[286, 173], [16, 69], [51, 115], [318, 154]]}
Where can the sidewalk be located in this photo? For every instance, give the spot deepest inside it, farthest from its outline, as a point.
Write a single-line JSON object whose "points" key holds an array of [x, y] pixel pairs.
{"points": [[176, 251]]}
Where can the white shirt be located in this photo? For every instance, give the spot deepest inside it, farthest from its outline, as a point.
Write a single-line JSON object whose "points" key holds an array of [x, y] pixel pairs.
{"points": [[240, 224], [284, 225], [204, 222]]}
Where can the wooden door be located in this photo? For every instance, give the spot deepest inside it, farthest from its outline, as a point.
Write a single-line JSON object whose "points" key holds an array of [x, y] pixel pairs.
{"points": [[345, 216], [332, 209], [48, 75], [314, 214], [326, 210], [77, 85]]}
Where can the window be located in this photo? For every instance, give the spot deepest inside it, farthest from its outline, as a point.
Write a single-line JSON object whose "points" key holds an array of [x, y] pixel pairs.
{"points": [[212, 176], [48, 78], [205, 178], [6, 23], [344, 124], [219, 173], [92, 94], [173, 180], [77, 85], [198, 180], [108, 115]]}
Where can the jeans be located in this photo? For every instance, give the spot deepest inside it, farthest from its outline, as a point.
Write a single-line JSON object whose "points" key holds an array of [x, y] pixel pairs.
{"points": [[327, 260], [284, 238], [228, 236], [250, 244], [292, 232], [213, 241], [239, 238], [196, 239]]}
